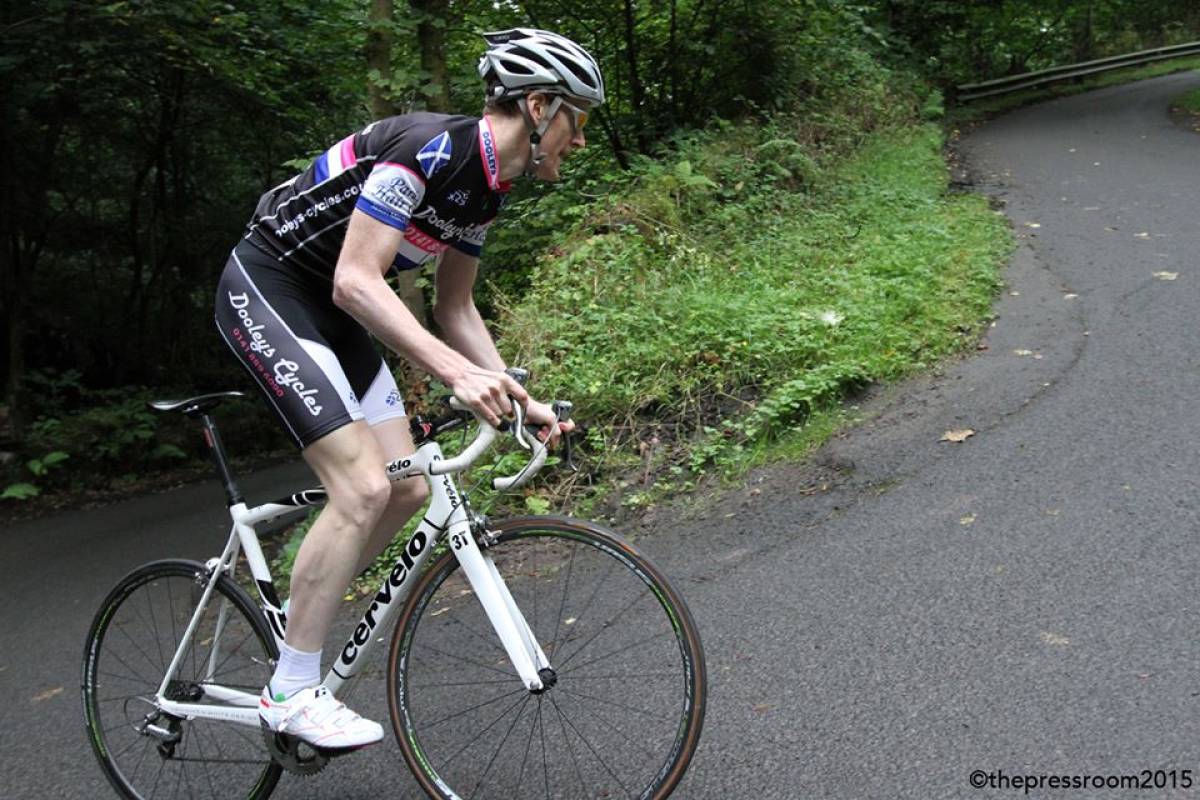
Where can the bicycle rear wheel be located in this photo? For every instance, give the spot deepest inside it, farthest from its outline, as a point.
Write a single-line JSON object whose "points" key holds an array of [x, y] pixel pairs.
{"points": [[146, 753], [624, 713]]}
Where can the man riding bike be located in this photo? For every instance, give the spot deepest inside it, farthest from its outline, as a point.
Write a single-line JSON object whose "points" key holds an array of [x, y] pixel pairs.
{"points": [[304, 292]]}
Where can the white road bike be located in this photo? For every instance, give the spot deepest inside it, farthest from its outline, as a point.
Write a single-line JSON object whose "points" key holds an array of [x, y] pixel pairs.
{"points": [[539, 657]]}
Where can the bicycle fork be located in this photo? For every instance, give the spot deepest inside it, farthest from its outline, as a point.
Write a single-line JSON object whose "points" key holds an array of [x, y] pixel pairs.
{"points": [[507, 620]]}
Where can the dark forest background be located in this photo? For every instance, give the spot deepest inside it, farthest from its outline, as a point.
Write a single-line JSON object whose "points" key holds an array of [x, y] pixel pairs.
{"points": [[137, 136]]}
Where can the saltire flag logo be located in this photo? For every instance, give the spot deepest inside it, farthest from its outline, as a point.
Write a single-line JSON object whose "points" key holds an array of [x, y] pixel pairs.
{"points": [[435, 154]]}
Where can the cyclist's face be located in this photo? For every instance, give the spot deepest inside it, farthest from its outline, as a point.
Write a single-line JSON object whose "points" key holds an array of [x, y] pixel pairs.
{"points": [[562, 138]]}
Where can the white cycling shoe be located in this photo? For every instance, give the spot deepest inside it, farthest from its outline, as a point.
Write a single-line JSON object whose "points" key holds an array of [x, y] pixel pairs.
{"points": [[319, 719]]}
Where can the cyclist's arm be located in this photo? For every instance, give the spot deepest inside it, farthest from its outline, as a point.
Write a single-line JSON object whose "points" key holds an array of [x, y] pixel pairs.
{"points": [[360, 290], [455, 312]]}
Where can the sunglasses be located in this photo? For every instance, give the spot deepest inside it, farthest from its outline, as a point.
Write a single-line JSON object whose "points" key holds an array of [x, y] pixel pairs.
{"points": [[579, 116]]}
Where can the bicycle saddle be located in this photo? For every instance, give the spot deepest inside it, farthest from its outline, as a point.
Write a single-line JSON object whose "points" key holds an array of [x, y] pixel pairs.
{"points": [[192, 405]]}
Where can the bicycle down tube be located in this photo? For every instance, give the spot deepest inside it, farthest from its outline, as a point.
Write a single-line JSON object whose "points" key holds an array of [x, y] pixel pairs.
{"points": [[446, 504]]}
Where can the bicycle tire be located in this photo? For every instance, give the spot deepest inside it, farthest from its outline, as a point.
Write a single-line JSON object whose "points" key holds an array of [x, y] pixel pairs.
{"points": [[651, 673], [128, 649]]}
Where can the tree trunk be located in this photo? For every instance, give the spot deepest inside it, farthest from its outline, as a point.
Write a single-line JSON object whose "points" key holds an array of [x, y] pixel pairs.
{"points": [[637, 95], [379, 57], [15, 331], [431, 37]]}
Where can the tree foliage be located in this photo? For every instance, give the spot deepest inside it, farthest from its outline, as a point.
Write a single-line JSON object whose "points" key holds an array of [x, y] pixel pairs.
{"points": [[138, 134]]}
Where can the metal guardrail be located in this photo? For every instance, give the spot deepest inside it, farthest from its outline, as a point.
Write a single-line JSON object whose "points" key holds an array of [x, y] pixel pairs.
{"points": [[1030, 80]]}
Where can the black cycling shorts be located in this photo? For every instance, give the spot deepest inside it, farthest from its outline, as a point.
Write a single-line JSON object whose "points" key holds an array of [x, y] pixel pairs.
{"points": [[316, 365]]}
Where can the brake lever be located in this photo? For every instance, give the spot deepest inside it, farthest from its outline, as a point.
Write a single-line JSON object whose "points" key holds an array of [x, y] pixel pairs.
{"points": [[562, 412]]}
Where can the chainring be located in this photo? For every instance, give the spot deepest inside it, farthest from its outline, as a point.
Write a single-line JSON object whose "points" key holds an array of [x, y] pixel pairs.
{"points": [[287, 753]]}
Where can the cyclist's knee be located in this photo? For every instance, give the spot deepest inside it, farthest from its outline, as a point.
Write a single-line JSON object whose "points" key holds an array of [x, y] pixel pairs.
{"points": [[362, 499]]}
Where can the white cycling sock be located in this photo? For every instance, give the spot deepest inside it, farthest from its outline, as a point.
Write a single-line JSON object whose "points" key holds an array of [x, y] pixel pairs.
{"points": [[295, 670]]}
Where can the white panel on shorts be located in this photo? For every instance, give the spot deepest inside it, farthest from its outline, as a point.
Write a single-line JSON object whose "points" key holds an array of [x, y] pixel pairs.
{"points": [[382, 400], [332, 369]]}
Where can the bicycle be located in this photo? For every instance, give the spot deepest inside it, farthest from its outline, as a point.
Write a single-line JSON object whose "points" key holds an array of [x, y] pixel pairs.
{"points": [[542, 656]]}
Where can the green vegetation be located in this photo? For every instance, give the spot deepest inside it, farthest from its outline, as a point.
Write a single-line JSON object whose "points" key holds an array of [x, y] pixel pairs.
{"points": [[676, 313], [758, 227], [1190, 102]]}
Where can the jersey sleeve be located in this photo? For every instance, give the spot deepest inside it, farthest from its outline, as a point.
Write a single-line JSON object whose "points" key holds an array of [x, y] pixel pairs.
{"points": [[391, 192], [471, 239]]}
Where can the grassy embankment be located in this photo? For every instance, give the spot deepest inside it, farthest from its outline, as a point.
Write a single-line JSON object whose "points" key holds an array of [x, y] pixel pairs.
{"points": [[716, 311]]}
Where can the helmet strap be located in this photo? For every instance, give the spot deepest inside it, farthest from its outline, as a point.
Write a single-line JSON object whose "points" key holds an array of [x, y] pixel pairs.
{"points": [[536, 132]]}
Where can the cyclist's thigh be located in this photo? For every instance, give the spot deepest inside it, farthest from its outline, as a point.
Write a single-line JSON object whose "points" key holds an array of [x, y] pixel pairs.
{"points": [[280, 327], [394, 437]]}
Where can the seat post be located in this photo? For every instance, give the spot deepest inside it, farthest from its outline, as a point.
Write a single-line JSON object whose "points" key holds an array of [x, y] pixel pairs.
{"points": [[213, 439]]}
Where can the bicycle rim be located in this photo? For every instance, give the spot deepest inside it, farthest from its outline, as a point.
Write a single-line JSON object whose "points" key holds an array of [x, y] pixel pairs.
{"points": [[624, 714], [129, 647]]}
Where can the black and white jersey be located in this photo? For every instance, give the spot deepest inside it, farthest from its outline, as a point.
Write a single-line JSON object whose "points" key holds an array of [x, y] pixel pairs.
{"points": [[434, 176]]}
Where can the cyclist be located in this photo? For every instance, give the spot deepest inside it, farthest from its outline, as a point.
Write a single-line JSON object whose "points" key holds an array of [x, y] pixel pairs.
{"points": [[304, 292]]}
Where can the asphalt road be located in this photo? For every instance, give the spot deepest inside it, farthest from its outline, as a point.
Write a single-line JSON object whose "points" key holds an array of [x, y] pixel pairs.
{"points": [[902, 611]]}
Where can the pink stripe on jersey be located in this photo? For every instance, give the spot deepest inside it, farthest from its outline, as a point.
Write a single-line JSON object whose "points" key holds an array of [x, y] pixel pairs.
{"points": [[347, 152], [423, 240], [409, 170]]}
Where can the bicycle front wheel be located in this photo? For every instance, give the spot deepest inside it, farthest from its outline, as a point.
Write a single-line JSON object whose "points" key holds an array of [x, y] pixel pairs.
{"points": [[620, 717], [146, 753]]}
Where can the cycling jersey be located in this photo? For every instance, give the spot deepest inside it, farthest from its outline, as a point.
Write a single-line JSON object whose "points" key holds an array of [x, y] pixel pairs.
{"points": [[434, 176]]}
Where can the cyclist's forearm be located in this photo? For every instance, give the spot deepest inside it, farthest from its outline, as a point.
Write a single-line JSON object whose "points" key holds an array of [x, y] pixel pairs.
{"points": [[365, 296], [464, 330]]}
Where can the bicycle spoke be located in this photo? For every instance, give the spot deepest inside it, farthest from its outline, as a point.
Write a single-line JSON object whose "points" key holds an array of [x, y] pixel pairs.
{"points": [[490, 640], [458, 714], [621, 735], [563, 602], [500, 746], [459, 683], [142, 695], [622, 677], [570, 748], [615, 704], [492, 724], [138, 680], [584, 739], [136, 646], [545, 761], [469, 661], [616, 652], [608, 625], [525, 758], [162, 661]]}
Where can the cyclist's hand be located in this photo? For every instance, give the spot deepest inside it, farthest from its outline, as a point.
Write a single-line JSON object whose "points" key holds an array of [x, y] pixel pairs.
{"points": [[487, 392], [542, 416]]}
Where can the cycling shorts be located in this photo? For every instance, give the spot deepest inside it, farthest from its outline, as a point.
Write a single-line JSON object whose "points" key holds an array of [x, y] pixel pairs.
{"points": [[316, 365]]}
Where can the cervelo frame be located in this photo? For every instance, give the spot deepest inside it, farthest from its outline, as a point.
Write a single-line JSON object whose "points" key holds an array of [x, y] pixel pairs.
{"points": [[446, 504]]}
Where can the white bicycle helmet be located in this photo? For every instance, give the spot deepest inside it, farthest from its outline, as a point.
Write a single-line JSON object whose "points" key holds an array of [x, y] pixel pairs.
{"points": [[524, 60]]}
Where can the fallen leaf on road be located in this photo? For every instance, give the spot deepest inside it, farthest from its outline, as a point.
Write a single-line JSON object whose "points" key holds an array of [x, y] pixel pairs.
{"points": [[762, 708], [46, 695], [1054, 639], [967, 520], [957, 436], [1166, 276]]}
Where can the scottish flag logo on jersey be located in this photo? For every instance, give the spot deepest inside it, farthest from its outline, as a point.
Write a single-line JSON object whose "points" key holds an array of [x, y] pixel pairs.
{"points": [[435, 154]]}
